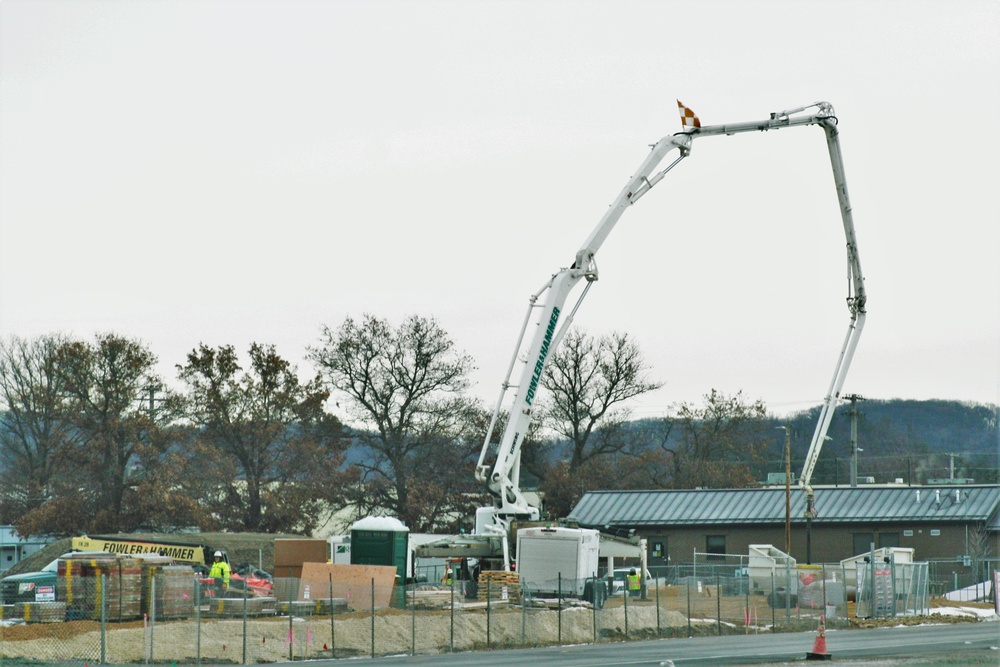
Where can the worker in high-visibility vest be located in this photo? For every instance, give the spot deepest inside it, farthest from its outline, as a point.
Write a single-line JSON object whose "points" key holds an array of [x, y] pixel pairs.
{"points": [[220, 573], [633, 582], [446, 579]]}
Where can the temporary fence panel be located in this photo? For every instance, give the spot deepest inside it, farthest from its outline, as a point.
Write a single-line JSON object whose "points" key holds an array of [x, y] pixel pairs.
{"points": [[962, 578], [890, 589]]}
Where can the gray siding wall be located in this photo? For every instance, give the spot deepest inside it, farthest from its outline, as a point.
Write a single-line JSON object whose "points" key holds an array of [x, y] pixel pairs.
{"points": [[830, 543]]}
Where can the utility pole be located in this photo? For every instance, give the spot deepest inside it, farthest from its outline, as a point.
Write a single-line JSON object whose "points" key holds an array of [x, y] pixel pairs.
{"points": [[787, 428], [853, 413], [151, 391]]}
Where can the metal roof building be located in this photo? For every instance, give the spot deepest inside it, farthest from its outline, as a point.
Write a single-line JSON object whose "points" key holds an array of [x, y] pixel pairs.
{"points": [[936, 521], [753, 506]]}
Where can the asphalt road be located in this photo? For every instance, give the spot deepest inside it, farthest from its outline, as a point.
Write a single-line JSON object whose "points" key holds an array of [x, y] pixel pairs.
{"points": [[979, 642]]}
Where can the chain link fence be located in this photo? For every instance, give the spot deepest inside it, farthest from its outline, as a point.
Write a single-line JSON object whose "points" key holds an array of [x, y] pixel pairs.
{"points": [[165, 616], [967, 574]]}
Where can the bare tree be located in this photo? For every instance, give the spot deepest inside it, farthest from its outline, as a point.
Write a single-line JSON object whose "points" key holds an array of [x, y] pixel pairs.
{"points": [[115, 446], [718, 445], [264, 453], [589, 380], [405, 387], [33, 426], [979, 550]]}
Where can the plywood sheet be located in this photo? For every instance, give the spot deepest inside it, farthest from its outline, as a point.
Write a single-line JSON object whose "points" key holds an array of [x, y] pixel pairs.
{"points": [[353, 582], [295, 552]]}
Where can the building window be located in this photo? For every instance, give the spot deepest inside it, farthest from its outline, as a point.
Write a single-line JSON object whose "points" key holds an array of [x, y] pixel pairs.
{"points": [[863, 543], [715, 545]]}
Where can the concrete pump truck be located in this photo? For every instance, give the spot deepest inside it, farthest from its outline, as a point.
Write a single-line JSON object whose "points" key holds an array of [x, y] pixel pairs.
{"points": [[491, 541], [547, 311]]}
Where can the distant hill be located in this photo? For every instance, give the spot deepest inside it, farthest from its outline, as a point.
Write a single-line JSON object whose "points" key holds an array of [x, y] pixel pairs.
{"points": [[905, 439], [935, 426]]}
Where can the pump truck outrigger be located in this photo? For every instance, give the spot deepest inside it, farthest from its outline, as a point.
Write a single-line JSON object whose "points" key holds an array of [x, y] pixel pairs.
{"points": [[509, 503]]}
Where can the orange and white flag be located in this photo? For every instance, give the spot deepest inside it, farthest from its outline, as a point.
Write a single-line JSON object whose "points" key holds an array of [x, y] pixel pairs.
{"points": [[689, 119]]}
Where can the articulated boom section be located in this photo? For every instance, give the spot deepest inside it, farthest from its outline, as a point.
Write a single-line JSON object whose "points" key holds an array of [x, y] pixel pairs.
{"points": [[551, 321], [503, 481], [856, 304]]}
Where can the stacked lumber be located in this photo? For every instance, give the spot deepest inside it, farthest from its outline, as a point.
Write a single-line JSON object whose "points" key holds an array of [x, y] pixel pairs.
{"points": [[234, 607], [178, 592], [298, 607], [151, 568], [167, 589], [83, 584], [433, 598], [39, 612], [285, 588], [317, 607], [500, 586]]}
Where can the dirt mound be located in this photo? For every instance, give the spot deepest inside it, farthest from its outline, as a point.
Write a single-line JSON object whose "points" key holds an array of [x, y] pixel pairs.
{"points": [[254, 548]]}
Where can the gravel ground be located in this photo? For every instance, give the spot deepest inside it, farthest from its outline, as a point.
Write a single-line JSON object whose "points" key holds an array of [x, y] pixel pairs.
{"points": [[279, 638], [274, 639]]}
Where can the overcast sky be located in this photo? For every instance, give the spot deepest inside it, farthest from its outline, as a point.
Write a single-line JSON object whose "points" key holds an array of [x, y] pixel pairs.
{"points": [[223, 172]]}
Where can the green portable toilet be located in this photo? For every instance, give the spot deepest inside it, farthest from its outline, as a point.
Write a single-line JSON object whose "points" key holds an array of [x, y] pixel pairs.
{"points": [[381, 540]]}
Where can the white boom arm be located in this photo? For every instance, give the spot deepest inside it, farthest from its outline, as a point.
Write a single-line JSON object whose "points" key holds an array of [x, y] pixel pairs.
{"points": [[503, 482]]}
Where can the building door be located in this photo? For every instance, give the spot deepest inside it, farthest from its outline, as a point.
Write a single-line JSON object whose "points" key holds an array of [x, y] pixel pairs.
{"points": [[863, 543], [888, 540], [656, 551]]}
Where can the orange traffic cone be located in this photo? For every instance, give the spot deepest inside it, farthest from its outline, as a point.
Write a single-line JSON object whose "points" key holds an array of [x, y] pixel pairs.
{"points": [[819, 646]]}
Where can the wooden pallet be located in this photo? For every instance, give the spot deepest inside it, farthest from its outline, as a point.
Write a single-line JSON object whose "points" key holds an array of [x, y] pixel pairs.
{"points": [[499, 586], [262, 606], [316, 607], [85, 584], [40, 612]]}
